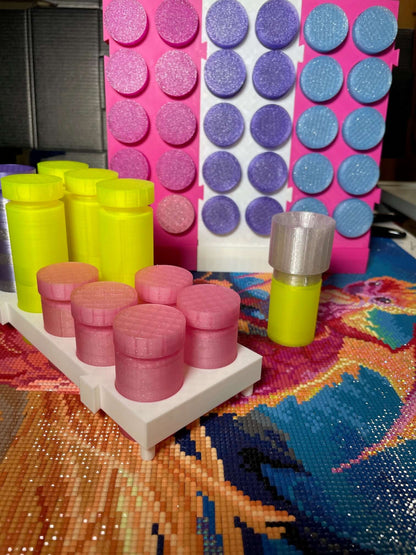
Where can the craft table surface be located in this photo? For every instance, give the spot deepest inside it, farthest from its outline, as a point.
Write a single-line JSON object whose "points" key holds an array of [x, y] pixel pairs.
{"points": [[320, 459]]}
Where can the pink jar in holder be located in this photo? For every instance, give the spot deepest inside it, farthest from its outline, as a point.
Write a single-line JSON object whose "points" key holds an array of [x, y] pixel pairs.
{"points": [[55, 285], [161, 284], [94, 307], [149, 344], [211, 313]]}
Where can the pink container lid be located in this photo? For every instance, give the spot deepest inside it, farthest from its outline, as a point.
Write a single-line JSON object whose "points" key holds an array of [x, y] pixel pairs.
{"points": [[149, 331], [96, 304], [208, 306], [57, 281], [161, 284]]}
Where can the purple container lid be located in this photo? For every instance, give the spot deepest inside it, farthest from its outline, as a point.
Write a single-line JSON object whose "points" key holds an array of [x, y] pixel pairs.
{"points": [[271, 126], [277, 24], [220, 215], [267, 172], [273, 74], [223, 124], [225, 73], [221, 171], [226, 23], [259, 214]]}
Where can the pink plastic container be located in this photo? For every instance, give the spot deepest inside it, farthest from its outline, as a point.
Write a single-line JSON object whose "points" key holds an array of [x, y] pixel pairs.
{"points": [[149, 346], [94, 307], [161, 284], [55, 285], [211, 313]]}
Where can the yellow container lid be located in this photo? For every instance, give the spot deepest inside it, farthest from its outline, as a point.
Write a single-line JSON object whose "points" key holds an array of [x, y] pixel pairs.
{"points": [[125, 193], [84, 182], [32, 187], [60, 167]]}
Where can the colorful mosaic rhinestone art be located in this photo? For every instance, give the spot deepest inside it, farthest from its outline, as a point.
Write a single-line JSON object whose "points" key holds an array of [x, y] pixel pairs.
{"points": [[321, 459]]}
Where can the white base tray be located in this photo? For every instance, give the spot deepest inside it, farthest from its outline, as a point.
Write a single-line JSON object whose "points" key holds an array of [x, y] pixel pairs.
{"points": [[146, 423]]}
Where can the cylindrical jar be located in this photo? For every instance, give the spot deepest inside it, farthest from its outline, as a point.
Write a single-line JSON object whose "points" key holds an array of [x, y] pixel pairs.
{"points": [[94, 307], [59, 168], [211, 313], [161, 284], [7, 281], [55, 285], [82, 213], [36, 221], [149, 347], [125, 224]]}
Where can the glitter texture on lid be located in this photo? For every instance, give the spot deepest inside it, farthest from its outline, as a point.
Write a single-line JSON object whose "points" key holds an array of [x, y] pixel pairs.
{"points": [[317, 127], [207, 306], [321, 79], [176, 22], [175, 214], [313, 173], [128, 121], [353, 217], [175, 170], [226, 23], [259, 214], [224, 73], [358, 174], [126, 21], [176, 73], [369, 80], [221, 171], [129, 162], [223, 124], [126, 71], [374, 30], [277, 24], [176, 123], [326, 27], [273, 74], [220, 215], [309, 205], [267, 172], [271, 126], [363, 128]]}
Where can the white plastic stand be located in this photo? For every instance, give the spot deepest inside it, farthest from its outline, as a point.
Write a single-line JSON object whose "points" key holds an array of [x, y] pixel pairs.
{"points": [[146, 423]]}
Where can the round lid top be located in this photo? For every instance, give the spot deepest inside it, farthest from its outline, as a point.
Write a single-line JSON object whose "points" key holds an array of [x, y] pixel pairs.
{"points": [[149, 331], [161, 284], [208, 306], [97, 303], [301, 243], [84, 182], [125, 193], [32, 187], [60, 167], [57, 281]]}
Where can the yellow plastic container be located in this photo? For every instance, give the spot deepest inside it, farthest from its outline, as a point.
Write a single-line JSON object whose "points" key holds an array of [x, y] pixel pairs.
{"points": [[36, 220], [293, 309], [125, 223], [82, 213], [60, 168]]}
